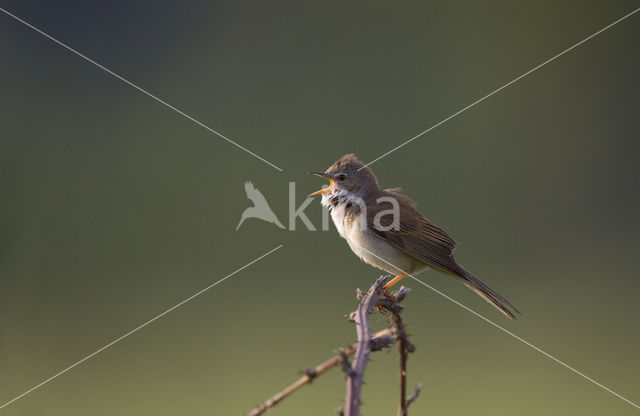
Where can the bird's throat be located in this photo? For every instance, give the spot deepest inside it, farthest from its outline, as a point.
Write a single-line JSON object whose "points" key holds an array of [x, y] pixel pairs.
{"points": [[338, 197]]}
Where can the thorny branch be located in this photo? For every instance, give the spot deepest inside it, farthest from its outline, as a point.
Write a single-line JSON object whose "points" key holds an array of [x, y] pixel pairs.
{"points": [[404, 348], [355, 371], [379, 340], [388, 304]]}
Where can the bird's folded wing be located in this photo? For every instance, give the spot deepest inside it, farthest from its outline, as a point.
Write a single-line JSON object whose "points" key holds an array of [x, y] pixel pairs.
{"points": [[425, 241], [414, 234]]}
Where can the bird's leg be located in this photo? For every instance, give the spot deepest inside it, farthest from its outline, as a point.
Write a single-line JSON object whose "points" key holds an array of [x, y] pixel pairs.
{"points": [[396, 280], [388, 294]]}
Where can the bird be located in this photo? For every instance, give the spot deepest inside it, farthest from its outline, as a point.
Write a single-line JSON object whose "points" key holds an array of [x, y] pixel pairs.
{"points": [[385, 229], [260, 208]]}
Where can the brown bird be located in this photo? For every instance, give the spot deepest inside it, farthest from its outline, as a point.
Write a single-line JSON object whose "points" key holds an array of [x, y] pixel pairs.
{"points": [[385, 229]]}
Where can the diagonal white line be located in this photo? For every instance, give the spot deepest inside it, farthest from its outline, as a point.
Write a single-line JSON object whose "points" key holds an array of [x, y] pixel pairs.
{"points": [[526, 342], [140, 89], [138, 328], [478, 101], [507, 331]]}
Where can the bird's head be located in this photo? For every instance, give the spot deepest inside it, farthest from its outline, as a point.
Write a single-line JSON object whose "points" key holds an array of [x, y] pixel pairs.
{"points": [[350, 175]]}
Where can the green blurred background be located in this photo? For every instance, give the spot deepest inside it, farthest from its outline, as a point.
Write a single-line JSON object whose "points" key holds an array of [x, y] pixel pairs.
{"points": [[114, 208]]}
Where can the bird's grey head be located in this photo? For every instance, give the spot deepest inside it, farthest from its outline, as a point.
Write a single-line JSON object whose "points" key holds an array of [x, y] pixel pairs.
{"points": [[351, 175]]}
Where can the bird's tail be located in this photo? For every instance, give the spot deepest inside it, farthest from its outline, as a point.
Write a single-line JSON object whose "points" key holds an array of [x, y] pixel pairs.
{"points": [[489, 295]]}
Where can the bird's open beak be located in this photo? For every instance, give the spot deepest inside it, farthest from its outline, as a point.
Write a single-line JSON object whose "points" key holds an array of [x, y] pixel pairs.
{"points": [[323, 190]]}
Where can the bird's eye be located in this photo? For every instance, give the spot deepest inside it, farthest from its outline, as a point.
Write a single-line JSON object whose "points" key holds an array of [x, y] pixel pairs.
{"points": [[342, 177]]}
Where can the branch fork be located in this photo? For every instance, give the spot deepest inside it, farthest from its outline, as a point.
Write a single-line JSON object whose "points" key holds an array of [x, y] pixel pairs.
{"points": [[386, 303]]}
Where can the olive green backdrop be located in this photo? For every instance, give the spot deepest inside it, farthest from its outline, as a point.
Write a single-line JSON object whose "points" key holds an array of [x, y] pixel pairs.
{"points": [[115, 208]]}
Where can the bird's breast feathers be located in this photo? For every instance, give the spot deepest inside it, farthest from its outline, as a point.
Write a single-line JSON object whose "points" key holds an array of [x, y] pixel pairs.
{"points": [[346, 210]]}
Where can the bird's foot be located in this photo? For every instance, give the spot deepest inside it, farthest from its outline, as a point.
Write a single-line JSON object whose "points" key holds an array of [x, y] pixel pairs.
{"points": [[390, 297], [383, 310]]}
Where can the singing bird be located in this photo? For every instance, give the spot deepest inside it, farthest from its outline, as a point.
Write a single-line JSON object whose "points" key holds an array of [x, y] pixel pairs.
{"points": [[260, 208], [384, 228]]}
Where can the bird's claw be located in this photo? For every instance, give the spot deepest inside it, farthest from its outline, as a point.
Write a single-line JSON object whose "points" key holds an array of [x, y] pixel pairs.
{"points": [[391, 297]]}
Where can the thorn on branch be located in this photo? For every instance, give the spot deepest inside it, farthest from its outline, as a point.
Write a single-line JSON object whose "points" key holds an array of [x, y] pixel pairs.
{"points": [[401, 294], [415, 394], [380, 343], [310, 373], [351, 317], [345, 364]]}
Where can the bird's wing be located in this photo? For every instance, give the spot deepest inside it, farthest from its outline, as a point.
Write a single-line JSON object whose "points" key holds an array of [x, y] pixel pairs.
{"points": [[416, 236], [255, 195], [420, 238]]}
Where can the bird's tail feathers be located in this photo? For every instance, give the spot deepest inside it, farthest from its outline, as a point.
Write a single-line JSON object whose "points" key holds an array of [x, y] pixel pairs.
{"points": [[490, 295]]}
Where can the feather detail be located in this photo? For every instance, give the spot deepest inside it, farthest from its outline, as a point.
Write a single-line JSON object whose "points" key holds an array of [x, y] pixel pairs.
{"points": [[420, 238]]}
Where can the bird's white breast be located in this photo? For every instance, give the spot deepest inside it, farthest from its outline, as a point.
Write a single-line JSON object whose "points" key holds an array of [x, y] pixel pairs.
{"points": [[363, 242]]}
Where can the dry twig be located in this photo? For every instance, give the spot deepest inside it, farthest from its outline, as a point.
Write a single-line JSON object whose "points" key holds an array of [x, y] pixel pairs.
{"points": [[366, 343], [415, 394], [379, 340], [355, 373], [404, 348]]}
